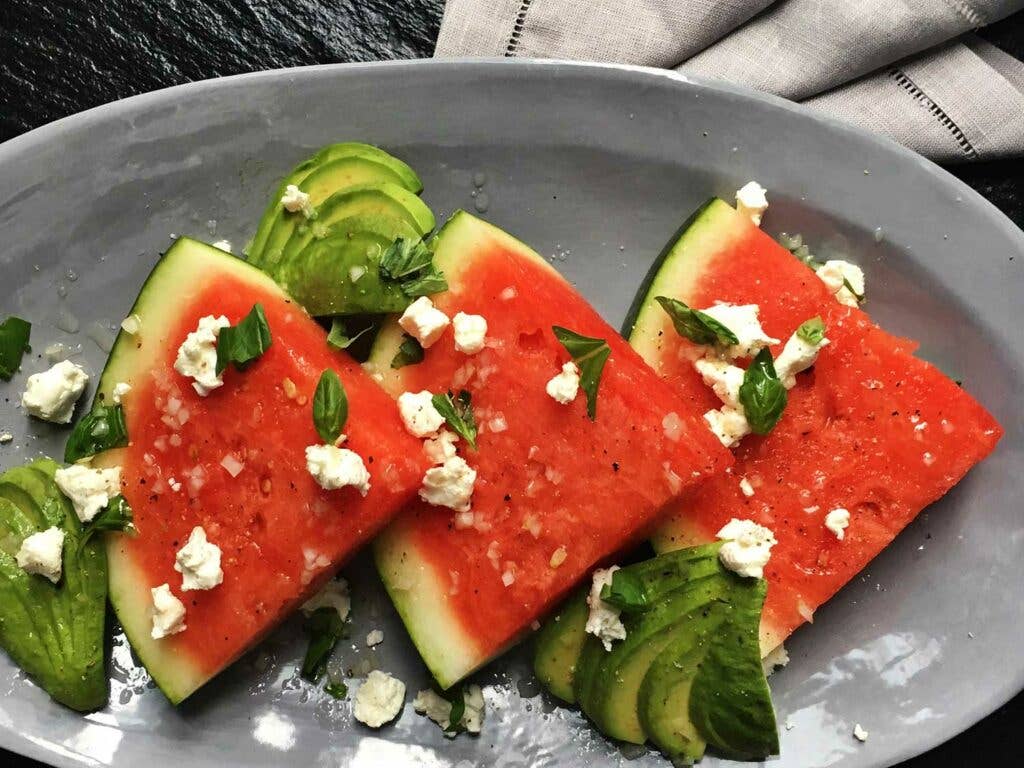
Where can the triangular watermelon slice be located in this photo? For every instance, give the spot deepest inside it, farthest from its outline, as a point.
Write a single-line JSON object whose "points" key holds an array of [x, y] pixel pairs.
{"points": [[556, 493], [234, 463], [871, 428]]}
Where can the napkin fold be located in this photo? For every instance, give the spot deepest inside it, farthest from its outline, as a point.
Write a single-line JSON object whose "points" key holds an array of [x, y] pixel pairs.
{"points": [[909, 69]]}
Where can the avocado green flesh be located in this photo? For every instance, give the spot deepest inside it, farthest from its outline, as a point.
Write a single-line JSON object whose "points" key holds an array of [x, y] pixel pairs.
{"points": [[55, 632], [408, 179], [664, 704], [375, 213], [559, 643]]}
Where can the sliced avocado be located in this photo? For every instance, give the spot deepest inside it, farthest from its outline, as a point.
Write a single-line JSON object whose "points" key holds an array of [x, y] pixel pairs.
{"points": [[323, 182], [332, 152], [559, 643], [54, 632]]}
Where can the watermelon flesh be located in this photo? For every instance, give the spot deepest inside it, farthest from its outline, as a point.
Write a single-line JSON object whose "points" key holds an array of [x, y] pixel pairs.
{"points": [[871, 428], [280, 534], [549, 479]]}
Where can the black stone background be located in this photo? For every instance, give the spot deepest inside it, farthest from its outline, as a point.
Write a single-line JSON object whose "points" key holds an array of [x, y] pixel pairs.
{"points": [[59, 57]]}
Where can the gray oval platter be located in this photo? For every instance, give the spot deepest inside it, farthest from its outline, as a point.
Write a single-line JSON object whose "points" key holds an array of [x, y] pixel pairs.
{"points": [[595, 166]]}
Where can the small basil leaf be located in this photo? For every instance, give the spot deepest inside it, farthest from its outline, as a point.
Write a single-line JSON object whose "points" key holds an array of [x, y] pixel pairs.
{"points": [[330, 407], [812, 331], [457, 697], [241, 344], [699, 327], [590, 355], [337, 689], [458, 412], [325, 628], [339, 338], [762, 395], [99, 430], [14, 333], [626, 592], [858, 296], [795, 245], [404, 258], [429, 282], [116, 516], [410, 352]]}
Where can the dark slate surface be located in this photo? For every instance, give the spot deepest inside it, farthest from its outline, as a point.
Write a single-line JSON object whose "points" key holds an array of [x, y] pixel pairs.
{"points": [[63, 56]]}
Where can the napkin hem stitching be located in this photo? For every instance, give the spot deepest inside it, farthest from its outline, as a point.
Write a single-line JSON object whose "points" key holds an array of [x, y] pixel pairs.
{"points": [[517, 28], [900, 78]]}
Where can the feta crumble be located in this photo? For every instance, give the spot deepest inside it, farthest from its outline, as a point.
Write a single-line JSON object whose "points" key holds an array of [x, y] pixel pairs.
{"points": [[374, 637], [777, 658], [295, 200], [418, 413], [747, 547], [42, 553], [52, 394], [746, 487], [743, 321], [566, 385], [89, 490], [131, 325], [470, 332], [859, 733], [197, 355], [723, 377], [834, 272], [333, 468], [120, 389], [837, 521], [728, 424], [752, 201], [424, 322], [379, 699], [6, 437], [439, 709], [168, 613], [334, 594], [796, 356], [672, 426], [603, 620], [198, 562], [449, 485], [441, 448]]}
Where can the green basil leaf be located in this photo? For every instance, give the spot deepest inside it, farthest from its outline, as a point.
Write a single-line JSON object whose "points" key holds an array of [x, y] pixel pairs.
{"points": [[404, 258], [330, 407], [99, 430], [795, 245], [762, 395], [325, 628], [429, 282], [858, 296], [241, 344], [457, 697], [458, 412], [410, 352], [626, 592], [339, 338], [699, 327], [590, 355], [337, 689], [14, 333], [116, 516], [812, 331]]}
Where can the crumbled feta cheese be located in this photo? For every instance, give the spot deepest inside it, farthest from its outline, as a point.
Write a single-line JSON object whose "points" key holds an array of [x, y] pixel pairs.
{"points": [[777, 658], [223, 245], [418, 413], [295, 200], [334, 594], [672, 426], [566, 385], [197, 355], [441, 448], [439, 709], [746, 487], [51, 395], [747, 547], [120, 389], [837, 521], [752, 201], [723, 377], [232, 465], [449, 485], [509, 293], [131, 324], [333, 467], [859, 733], [835, 273], [374, 637], [497, 423], [796, 356], [42, 553], [729, 425], [198, 562], [168, 612], [470, 332], [6, 437], [603, 620], [89, 490], [424, 322], [508, 576], [743, 321], [379, 699]]}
